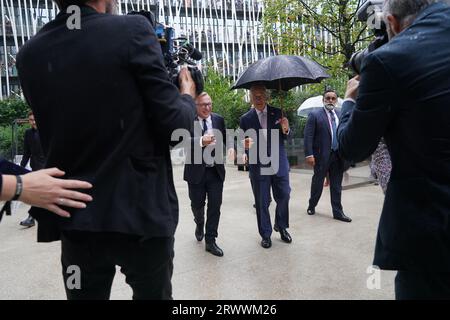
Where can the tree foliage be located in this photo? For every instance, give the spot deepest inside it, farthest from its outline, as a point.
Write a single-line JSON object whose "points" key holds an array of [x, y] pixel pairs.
{"points": [[11, 109], [326, 31], [230, 104]]}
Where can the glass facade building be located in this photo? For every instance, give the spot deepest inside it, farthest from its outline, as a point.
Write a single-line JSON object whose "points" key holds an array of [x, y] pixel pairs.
{"points": [[227, 32]]}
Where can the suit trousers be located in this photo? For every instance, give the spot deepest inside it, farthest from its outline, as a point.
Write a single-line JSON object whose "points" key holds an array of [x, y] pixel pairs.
{"points": [[422, 285], [281, 193], [335, 169], [211, 186], [146, 263]]}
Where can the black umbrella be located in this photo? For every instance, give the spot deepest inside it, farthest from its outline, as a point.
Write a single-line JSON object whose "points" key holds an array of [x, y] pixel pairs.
{"points": [[281, 73]]}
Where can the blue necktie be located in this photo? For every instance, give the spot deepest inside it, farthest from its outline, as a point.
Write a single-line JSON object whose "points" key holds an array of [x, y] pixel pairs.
{"points": [[334, 142]]}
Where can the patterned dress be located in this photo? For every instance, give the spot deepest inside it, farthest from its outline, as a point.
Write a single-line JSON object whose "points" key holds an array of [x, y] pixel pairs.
{"points": [[381, 165]]}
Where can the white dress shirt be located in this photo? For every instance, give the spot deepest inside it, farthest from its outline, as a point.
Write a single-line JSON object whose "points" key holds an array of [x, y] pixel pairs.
{"points": [[209, 127], [336, 118]]}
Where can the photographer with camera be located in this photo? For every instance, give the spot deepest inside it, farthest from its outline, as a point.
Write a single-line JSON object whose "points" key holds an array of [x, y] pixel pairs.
{"points": [[402, 95], [106, 109]]}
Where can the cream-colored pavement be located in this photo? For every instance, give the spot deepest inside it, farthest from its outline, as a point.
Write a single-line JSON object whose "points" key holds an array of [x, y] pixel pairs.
{"points": [[328, 259]]}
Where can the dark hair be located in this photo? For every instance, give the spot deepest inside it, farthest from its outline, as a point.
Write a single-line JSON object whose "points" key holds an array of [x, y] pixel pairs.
{"points": [[328, 91], [64, 4]]}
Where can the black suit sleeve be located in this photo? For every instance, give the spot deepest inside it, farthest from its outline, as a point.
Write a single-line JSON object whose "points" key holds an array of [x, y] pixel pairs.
{"points": [[26, 149], [165, 106], [226, 144], [362, 125], [310, 129]]}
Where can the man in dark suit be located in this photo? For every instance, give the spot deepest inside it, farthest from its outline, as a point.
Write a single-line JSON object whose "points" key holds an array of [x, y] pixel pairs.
{"points": [[403, 97], [268, 123], [321, 147], [32, 151], [106, 110], [205, 178]]}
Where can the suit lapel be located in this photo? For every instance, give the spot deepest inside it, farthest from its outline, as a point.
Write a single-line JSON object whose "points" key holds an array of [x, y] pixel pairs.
{"points": [[325, 118], [213, 121], [256, 119], [270, 116]]}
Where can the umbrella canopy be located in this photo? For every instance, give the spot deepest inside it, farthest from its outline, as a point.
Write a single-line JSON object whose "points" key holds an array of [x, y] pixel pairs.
{"points": [[281, 72], [315, 102]]}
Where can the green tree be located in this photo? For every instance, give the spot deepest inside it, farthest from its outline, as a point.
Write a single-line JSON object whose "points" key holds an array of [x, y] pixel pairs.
{"points": [[11, 109], [6, 143], [325, 30], [228, 103]]}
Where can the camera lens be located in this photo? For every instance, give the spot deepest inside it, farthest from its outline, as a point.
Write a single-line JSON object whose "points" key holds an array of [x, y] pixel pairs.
{"points": [[357, 59]]}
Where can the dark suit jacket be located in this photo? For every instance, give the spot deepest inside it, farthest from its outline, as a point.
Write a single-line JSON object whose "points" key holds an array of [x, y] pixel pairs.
{"points": [[318, 136], [250, 120], [404, 96], [106, 109], [7, 167], [32, 150], [193, 173]]}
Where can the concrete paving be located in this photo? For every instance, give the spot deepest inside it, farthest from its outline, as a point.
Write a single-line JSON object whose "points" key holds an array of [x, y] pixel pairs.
{"points": [[328, 259]]}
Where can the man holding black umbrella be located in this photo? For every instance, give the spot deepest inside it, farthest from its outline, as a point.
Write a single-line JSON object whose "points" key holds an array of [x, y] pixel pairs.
{"points": [[266, 120], [280, 72]]}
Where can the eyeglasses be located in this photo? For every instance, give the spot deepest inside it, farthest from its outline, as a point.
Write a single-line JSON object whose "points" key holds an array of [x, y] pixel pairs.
{"points": [[331, 98], [204, 105], [257, 98]]}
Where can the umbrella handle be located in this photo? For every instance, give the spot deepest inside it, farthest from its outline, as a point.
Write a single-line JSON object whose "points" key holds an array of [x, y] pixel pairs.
{"points": [[281, 98]]}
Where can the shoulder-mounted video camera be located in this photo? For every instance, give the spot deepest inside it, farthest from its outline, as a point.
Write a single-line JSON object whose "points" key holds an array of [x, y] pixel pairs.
{"points": [[371, 12], [177, 52]]}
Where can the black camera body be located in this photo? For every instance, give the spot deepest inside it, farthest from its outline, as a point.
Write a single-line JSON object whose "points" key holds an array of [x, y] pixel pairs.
{"points": [[371, 13], [177, 52]]}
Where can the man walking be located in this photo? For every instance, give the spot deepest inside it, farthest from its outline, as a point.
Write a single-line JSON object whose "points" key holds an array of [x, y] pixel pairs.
{"points": [[205, 179], [265, 120]]}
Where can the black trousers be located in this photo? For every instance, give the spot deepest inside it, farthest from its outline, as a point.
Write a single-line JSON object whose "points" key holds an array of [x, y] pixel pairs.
{"points": [[147, 264], [211, 186], [335, 169], [422, 286]]}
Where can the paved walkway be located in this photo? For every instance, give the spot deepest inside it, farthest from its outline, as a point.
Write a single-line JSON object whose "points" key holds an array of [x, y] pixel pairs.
{"points": [[328, 259]]}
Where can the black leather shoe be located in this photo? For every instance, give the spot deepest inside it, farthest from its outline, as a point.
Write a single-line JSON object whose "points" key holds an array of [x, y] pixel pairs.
{"points": [[343, 217], [199, 233], [28, 222], [285, 236], [266, 243], [311, 211], [214, 249]]}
